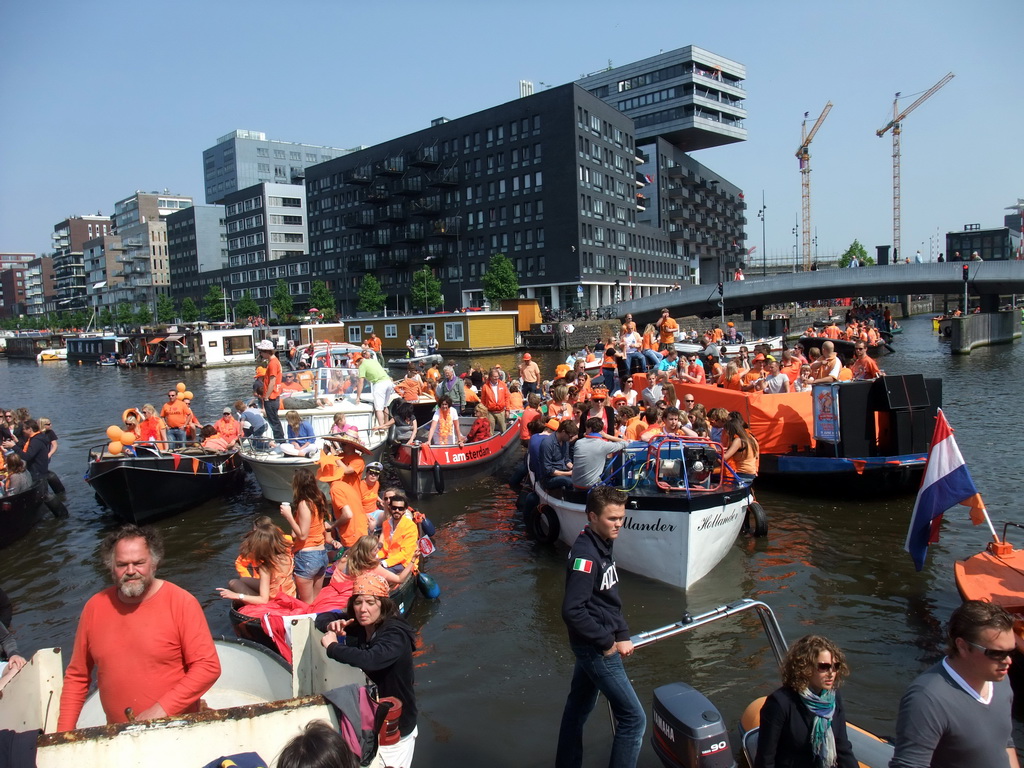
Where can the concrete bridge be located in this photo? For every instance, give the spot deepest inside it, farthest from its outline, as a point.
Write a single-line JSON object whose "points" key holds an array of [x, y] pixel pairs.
{"points": [[987, 279]]}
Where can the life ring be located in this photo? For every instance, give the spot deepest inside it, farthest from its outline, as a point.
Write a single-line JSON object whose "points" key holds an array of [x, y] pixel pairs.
{"points": [[755, 521], [438, 478], [545, 525]]}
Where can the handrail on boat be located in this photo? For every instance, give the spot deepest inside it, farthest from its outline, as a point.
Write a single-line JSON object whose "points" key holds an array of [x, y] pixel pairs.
{"points": [[764, 612]]}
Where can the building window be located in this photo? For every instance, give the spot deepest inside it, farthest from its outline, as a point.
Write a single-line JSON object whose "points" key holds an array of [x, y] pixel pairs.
{"points": [[454, 331], [262, 152], [279, 154], [355, 334], [390, 331]]}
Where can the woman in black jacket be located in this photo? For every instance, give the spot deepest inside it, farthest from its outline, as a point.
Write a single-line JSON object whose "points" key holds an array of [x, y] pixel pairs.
{"points": [[375, 639], [802, 723]]}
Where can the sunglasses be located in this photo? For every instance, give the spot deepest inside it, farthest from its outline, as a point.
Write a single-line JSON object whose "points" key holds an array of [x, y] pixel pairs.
{"points": [[397, 508], [690, 400], [372, 472], [824, 666], [993, 653]]}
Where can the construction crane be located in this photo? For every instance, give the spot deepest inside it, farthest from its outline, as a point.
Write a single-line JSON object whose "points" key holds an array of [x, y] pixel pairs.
{"points": [[803, 154], [896, 125]]}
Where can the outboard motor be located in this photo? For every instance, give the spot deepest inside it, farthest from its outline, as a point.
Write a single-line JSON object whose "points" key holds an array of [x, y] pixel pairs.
{"points": [[688, 731]]}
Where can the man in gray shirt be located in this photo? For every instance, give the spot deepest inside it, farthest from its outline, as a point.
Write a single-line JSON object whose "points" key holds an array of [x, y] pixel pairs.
{"points": [[590, 454], [957, 713]]}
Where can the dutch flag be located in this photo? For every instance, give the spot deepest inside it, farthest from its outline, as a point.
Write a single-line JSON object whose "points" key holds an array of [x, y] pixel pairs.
{"points": [[946, 482]]}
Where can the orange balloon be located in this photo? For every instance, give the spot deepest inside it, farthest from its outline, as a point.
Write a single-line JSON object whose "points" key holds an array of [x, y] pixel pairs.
{"points": [[115, 448], [127, 438], [113, 432], [189, 395], [181, 395], [180, 386]]}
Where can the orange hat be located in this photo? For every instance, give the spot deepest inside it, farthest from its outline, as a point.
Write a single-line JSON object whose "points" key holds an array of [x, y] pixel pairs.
{"points": [[371, 584], [599, 394], [261, 371], [553, 424], [759, 356], [617, 401], [730, 324], [527, 356]]}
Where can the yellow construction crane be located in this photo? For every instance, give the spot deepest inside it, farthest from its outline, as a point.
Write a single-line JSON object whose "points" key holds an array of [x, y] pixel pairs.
{"points": [[803, 154], [896, 125]]}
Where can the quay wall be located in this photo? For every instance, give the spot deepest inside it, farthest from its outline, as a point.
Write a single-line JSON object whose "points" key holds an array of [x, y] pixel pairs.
{"points": [[983, 329]]}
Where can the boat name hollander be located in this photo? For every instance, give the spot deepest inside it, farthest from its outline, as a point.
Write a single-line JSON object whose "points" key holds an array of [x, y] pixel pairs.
{"points": [[717, 520], [657, 525]]}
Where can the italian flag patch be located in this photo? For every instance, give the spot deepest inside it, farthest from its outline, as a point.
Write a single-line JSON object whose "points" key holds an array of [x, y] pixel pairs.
{"points": [[581, 564]]}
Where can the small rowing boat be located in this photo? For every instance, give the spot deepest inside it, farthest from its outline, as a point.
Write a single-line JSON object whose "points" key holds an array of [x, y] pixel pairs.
{"points": [[20, 512], [426, 469], [771, 344]]}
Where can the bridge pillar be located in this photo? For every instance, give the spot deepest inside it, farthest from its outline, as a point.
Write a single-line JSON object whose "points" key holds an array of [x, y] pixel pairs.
{"points": [[905, 303], [758, 313]]}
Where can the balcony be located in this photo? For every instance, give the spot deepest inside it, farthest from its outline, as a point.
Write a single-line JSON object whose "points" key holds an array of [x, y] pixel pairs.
{"points": [[408, 185], [426, 206], [642, 202], [393, 212], [379, 238], [425, 157], [378, 193], [641, 157], [436, 252], [396, 258], [366, 263], [392, 166], [361, 175], [410, 232], [444, 177], [359, 219], [446, 227]]}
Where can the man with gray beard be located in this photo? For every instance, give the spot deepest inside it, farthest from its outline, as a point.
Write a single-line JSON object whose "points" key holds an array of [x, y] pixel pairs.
{"points": [[146, 638]]}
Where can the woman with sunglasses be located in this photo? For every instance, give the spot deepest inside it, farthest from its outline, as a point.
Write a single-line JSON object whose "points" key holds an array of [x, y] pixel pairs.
{"points": [[803, 724]]}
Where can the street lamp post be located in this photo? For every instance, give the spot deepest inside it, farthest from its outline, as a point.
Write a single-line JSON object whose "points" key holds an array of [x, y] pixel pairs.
{"points": [[764, 250], [796, 243]]}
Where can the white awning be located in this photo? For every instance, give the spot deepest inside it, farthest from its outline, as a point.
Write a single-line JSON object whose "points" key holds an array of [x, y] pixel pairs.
{"points": [[100, 284]]}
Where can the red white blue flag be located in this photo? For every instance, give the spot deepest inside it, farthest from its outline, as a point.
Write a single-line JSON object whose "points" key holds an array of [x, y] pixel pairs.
{"points": [[946, 483]]}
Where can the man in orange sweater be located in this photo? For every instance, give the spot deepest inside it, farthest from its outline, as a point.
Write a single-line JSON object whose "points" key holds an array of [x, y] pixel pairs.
{"points": [[494, 395], [146, 637]]}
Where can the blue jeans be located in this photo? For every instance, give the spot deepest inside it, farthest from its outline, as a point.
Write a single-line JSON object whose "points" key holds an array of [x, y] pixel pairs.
{"points": [[653, 358], [175, 437], [630, 357], [596, 673]]}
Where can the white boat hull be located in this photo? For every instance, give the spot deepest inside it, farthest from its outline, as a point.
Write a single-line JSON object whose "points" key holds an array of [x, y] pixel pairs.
{"points": [[774, 344], [668, 543], [274, 470]]}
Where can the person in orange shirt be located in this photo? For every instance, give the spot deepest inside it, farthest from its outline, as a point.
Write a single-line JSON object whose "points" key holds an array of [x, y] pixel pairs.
{"points": [[649, 346], [495, 397], [271, 388], [790, 366], [410, 387], [152, 428], [584, 384], [146, 639], [374, 342], [228, 428], [175, 415], [370, 488], [732, 378], [668, 328]]}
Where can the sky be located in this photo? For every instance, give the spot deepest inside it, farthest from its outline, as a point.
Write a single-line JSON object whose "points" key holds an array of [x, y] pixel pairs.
{"points": [[103, 98]]}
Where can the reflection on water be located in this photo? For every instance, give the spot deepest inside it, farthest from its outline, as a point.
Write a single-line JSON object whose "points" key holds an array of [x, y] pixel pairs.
{"points": [[493, 667]]}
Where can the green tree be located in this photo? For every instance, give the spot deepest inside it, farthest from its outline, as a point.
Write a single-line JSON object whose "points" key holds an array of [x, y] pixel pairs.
{"points": [[320, 297], [281, 302], [426, 290], [500, 281], [106, 317], [246, 307], [125, 315], [189, 311], [165, 309], [856, 251], [144, 316], [215, 308], [371, 297]]}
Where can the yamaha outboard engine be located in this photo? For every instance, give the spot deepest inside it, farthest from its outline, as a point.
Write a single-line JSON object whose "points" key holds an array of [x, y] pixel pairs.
{"points": [[688, 731]]}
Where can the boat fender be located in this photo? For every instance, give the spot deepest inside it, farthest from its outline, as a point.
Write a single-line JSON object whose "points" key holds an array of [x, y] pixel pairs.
{"points": [[545, 525], [428, 586], [751, 717], [438, 478], [755, 521]]}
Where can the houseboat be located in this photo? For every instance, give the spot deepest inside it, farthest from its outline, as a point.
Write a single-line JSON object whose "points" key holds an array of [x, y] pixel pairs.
{"points": [[92, 347], [452, 333], [28, 346]]}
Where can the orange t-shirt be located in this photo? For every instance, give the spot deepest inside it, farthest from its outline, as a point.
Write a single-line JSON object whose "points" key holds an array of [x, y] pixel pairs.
{"points": [[342, 494], [669, 329], [172, 659], [176, 414], [273, 371], [315, 537], [369, 496]]}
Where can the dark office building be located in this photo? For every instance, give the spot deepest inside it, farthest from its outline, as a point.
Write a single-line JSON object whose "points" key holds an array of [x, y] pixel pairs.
{"points": [[549, 180], [1001, 244]]}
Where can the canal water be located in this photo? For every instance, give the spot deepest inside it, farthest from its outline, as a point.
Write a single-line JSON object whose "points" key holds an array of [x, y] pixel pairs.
{"points": [[493, 664]]}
